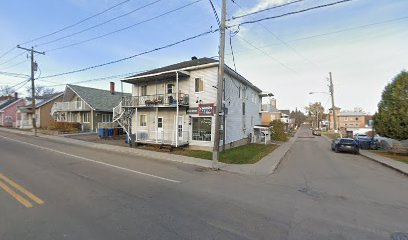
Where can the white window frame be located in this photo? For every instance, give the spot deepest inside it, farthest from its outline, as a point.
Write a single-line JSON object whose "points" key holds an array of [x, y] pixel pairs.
{"points": [[141, 90], [141, 123], [108, 116], [200, 83], [86, 117]]}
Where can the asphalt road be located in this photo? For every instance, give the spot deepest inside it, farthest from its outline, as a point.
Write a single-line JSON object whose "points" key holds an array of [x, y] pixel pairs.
{"points": [[88, 194]]}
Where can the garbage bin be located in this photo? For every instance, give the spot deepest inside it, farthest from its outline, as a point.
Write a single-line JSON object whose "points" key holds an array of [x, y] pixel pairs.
{"points": [[115, 132], [110, 132], [102, 132]]}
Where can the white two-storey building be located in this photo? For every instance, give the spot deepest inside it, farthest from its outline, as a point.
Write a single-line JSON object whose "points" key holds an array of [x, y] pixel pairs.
{"points": [[175, 105]]}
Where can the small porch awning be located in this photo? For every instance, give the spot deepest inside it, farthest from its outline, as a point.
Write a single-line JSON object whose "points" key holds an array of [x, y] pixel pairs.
{"points": [[162, 76]]}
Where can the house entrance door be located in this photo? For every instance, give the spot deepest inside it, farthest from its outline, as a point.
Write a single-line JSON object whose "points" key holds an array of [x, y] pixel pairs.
{"points": [[180, 129], [160, 133]]}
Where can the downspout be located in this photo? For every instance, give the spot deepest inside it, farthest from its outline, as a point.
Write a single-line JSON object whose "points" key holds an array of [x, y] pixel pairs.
{"points": [[177, 108]]}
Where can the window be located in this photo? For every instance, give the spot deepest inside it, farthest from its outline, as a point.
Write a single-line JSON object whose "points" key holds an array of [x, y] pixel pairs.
{"points": [[169, 88], [199, 85], [159, 122], [243, 108], [86, 117], [239, 92], [202, 128], [106, 118], [143, 121], [143, 90]]}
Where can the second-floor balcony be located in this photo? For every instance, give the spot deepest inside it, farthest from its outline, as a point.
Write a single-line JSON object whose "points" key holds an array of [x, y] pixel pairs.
{"points": [[156, 100], [70, 106]]}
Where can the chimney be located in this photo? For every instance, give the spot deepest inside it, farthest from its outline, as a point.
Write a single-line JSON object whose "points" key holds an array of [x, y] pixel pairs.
{"points": [[112, 88], [16, 95], [194, 58]]}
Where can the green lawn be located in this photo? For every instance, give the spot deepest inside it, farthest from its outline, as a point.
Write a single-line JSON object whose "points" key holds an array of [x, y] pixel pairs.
{"points": [[246, 154]]}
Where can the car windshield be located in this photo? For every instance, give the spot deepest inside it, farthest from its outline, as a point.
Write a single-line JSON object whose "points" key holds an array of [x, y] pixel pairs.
{"points": [[347, 141]]}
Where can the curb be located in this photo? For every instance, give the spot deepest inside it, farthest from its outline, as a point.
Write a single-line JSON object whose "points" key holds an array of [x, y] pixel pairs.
{"points": [[120, 149], [390, 163]]}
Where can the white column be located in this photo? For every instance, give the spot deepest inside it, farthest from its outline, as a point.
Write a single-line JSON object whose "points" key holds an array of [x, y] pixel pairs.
{"points": [[177, 108], [136, 122], [155, 122]]}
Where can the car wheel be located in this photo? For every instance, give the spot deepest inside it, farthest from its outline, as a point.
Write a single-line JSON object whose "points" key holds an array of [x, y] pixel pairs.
{"points": [[336, 149]]}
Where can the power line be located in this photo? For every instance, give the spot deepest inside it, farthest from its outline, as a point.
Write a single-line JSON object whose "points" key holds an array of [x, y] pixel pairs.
{"points": [[290, 13], [15, 65], [12, 58], [232, 51], [98, 25], [96, 79], [277, 37], [266, 9], [125, 28], [7, 52], [75, 24], [268, 55], [215, 13], [17, 75], [133, 56]]}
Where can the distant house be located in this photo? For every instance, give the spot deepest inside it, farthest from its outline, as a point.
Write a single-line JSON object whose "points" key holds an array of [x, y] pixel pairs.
{"points": [[176, 104], [87, 106], [8, 110], [351, 121], [43, 107]]}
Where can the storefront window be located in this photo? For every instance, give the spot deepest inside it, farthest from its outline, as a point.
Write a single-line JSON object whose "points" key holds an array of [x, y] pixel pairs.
{"points": [[202, 129]]}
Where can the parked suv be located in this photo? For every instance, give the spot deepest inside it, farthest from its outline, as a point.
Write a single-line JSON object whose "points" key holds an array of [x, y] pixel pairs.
{"points": [[345, 145], [363, 141]]}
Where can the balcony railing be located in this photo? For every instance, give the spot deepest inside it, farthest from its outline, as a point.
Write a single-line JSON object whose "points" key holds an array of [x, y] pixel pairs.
{"points": [[70, 106], [166, 100]]}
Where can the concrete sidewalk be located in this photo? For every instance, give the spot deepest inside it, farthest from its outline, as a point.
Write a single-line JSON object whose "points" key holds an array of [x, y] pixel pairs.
{"points": [[265, 166], [391, 163]]}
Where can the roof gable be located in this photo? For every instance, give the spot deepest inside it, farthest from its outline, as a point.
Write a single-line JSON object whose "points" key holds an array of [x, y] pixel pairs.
{"points": [[98, 99], [7, 103]]}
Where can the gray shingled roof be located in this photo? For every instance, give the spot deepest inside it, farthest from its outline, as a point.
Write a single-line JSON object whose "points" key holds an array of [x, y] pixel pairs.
{"points": [[8, 102], [351, 114], [98, 99]]}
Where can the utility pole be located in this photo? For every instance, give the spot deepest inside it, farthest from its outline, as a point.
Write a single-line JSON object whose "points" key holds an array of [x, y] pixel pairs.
{"points": [[33, 69], [331, 89], [219, 110]]}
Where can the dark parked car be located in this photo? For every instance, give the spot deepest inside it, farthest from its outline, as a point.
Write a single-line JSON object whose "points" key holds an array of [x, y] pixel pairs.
{"points": [[317, 132], [345, 145]]}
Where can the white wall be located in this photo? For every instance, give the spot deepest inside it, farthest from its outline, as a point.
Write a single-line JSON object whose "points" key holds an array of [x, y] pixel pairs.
{"points": [[237, 126]]}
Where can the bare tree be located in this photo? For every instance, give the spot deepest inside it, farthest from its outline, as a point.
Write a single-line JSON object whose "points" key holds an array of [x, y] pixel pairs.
{"points": [[316, 111], [6, 90], [41, 91]]}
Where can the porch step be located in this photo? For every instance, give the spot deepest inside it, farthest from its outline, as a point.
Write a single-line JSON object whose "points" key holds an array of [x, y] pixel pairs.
{"points": [[167, 147]]}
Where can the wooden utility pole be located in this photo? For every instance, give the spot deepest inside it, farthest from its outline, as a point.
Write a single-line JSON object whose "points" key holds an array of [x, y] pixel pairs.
{"points": [[219, 109], [331, 89], [33, 69]]}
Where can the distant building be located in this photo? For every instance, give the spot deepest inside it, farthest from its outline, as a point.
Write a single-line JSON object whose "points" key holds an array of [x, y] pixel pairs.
{"points": [[351, 121]]}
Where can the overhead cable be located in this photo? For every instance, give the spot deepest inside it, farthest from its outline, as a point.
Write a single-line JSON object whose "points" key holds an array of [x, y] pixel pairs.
{"points": [[133, 56]]}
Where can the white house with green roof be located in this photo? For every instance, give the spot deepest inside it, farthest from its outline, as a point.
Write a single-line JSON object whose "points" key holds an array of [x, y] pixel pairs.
{"points": [[87, 106]]}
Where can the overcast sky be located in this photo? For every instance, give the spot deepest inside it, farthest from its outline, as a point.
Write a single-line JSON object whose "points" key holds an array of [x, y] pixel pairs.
{"points": [[362, 42]]}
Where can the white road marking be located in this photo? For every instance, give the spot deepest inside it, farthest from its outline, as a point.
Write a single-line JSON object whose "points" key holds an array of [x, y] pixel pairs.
{"points": [[93, 161]]}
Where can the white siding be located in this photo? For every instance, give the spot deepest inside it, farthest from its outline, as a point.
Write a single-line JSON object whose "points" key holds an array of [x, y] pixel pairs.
{"points": [[235, 120]]}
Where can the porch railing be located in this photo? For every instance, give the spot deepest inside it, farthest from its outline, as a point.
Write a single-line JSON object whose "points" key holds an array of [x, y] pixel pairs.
{"points": [[69, 106], [169, 99], [162, 137]]}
